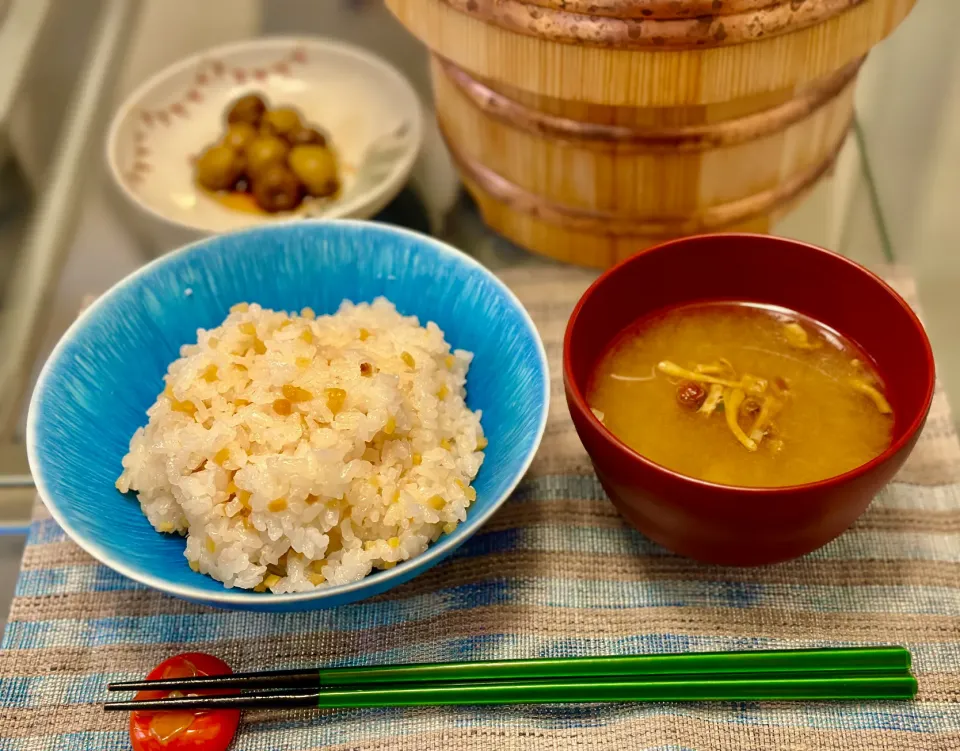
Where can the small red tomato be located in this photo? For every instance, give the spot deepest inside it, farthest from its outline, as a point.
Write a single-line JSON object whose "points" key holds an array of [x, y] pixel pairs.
{"points": [[184, 730]]}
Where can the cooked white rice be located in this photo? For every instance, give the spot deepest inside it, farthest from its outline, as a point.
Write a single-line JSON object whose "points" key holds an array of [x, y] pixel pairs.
{"points": [[296, 451]]}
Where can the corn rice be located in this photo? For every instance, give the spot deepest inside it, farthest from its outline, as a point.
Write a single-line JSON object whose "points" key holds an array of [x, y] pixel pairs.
{"points": [[332, 472]]}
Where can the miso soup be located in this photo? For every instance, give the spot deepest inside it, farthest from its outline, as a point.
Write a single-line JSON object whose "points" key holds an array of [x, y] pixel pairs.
{"points": [[742, 394]]}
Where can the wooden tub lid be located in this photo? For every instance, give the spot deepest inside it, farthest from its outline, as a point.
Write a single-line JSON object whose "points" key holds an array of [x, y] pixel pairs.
{"points": [[639, 24]]}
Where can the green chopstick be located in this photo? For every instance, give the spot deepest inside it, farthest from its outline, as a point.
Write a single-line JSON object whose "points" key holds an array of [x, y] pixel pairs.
{"points": [[820, 687], [885, 659], [880, 659], [693, 689]]}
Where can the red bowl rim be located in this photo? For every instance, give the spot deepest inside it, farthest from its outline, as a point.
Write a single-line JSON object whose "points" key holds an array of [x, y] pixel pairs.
{"points": [[574, 392]]}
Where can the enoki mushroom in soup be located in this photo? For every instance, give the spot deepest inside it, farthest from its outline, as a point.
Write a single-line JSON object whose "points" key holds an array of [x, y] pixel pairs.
{"points": [[742, 394]]}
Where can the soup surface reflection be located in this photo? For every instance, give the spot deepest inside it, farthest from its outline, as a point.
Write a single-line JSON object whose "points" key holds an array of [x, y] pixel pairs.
{"points": [[742, 394]]}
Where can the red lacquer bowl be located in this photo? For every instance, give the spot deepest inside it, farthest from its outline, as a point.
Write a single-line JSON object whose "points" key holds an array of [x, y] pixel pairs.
{"points": [[738, 525]]}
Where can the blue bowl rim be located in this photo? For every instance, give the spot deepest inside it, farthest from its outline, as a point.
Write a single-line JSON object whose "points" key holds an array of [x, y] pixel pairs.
{"points": [[243, 597]]}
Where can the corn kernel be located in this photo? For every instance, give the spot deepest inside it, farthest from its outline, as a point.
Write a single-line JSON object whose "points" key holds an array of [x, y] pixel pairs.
{"points": [[449, 360], [295, 393], [308, 313], [241, 402], [248, 328], [284, 324], [449, 527], [390, 426], [188, 407], [442, 393], [209, 373], [436, 502], [335, 399], [211, 545], [364, 335], [311, 499], [221, 456], [369, 545], [394, 542], [232, 488], [445, 443], [416, 459], [281, 407], [259, 347], [408, 359], [165, 527], [303, 362], [387, 565], [471, 494], [307, 336], [240, 307], [194, 566], [271, 580], [316, 579], [459, 483], [481, 443], [244, 497], [277, 505]]}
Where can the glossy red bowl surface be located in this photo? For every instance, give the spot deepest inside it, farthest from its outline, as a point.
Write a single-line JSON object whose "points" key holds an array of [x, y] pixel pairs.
{"points": [[738, 525]]}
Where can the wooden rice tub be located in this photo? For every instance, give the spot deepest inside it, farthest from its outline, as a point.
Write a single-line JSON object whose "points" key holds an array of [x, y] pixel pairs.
{"points": [[589, 129]]}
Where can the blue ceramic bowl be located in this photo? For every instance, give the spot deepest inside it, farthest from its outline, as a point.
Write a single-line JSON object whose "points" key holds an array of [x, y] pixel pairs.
{"points": [[108, 369]]}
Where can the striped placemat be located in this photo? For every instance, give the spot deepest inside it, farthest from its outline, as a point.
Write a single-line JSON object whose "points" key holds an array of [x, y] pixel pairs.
{"points": [[556, 572]]}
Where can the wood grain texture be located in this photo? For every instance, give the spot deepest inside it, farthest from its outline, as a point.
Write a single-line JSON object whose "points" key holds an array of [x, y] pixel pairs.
{"points": [[711, 218], [589, 130], [625, 128], [650, 77], [582, 246], [593, 194]]}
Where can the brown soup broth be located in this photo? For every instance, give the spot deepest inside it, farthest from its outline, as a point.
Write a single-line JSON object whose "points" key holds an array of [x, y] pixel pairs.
{"points": [[811, 400]]}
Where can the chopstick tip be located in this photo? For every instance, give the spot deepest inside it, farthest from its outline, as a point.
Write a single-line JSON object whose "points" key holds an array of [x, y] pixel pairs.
{"points": [[119, 706]]}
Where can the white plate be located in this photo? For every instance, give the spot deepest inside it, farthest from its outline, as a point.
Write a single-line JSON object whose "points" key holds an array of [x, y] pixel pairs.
{"points": [[369, 110]]}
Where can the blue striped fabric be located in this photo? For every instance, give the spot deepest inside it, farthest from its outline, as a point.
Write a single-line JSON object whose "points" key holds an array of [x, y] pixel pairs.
{"points": [[554, 573]]}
